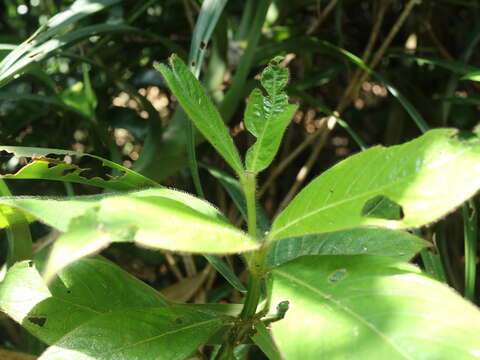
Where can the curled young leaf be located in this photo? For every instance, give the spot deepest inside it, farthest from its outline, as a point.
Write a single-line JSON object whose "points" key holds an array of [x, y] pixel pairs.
{"points": [[267, 117]]}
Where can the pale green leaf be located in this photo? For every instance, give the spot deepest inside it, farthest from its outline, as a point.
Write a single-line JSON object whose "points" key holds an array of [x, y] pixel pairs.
{"points": [[267, 117], [56, 212], [196, 103], [81, 292], [370, 307], [375, 241], [427, 178], [155, 218], [139, 333]]}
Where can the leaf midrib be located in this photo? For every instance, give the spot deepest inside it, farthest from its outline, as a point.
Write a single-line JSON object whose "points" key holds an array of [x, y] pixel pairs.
{"points": [[347, 310], [266, 124], [153, 338], [222, 140], [380, 188]]}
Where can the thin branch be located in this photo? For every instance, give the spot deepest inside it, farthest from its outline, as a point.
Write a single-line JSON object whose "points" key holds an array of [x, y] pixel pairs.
{"points": [[326, 130], [328, 9]]}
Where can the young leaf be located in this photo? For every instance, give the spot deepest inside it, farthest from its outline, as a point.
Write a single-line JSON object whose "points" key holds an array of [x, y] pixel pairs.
{"points": [[45, 166], [196, 103], [75, 297], [370, 307], [374, 241], [417, 182], [267, 117], [139, 333]]}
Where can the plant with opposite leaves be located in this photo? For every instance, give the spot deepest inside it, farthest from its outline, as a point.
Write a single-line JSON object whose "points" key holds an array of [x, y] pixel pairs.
{"points": [[328, 280]]}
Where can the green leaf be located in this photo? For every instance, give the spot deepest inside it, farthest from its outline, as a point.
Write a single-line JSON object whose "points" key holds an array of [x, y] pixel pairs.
{"points": [[383, 208], [161, 219], [56, 212], [18, 235], [267, 117], [82, 291], [204, 27], [78, 10], [427, 177], [474, 76], [138, 333], [37, 51], [375, 241], [196, 103], [370, 307], [45, 166], [77, 97], [50, 100], [263, 339], [226, 272]]}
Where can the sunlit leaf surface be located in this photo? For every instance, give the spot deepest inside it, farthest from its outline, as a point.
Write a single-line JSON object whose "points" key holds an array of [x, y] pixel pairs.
{"points": [[370, 307], [81, 292], [427, 177], [139, 333]]}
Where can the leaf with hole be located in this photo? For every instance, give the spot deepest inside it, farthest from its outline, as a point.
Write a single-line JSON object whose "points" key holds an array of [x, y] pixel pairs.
{"points": [[419, 182], [45, 165], [81, 292], [267, 117], [370, 307]]}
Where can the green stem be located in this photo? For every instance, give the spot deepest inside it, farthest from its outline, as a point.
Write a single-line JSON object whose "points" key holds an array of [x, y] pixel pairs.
{"points": [[239, 333], [236, 90], [255, 261], [470, 222], [18, 232]]}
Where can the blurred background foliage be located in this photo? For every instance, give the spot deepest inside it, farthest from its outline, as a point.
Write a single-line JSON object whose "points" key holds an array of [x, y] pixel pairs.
{"points": [[88, 84]]}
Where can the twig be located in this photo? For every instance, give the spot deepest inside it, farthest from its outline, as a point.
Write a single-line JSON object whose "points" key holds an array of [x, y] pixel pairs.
{"points": [[328, 9], [189, 14], [351, 91], [441, 49], [346, 101], [172, 264]]}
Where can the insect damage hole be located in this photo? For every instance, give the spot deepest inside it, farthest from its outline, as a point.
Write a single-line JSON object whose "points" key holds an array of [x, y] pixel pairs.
{"points": [[381, 207], [40, 321], [337, 275]]}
